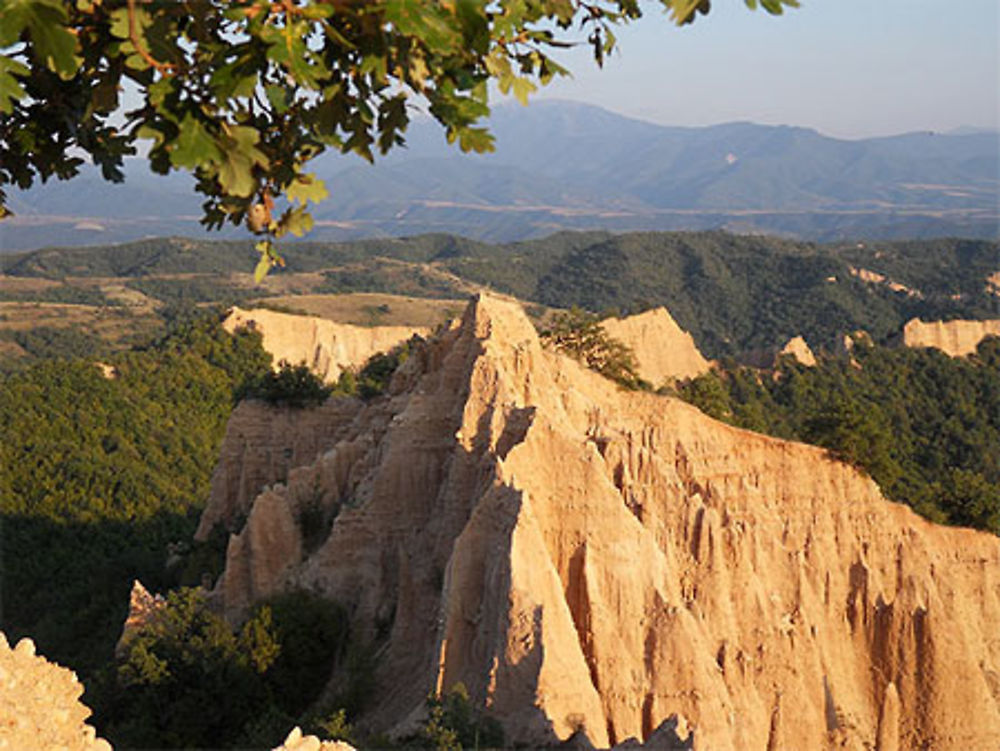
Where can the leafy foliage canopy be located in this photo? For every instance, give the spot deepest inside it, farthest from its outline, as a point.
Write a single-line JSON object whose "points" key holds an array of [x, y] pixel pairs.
{"points": [[245, 94]]}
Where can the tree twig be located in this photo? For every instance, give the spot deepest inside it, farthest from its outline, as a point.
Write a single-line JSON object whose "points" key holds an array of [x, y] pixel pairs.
{"points": [[164, 68]]}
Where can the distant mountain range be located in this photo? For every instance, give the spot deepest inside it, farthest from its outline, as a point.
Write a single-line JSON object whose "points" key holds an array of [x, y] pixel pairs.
{"points": [[562, 165]]}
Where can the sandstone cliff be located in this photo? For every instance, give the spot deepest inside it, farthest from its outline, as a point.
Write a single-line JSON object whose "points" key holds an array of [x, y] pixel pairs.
{"points": [[796, 347], [143, 608], [587, 559], [955, 338], [262, 444], [40, 704], [328, 348], [298, 742], [663, 349]]}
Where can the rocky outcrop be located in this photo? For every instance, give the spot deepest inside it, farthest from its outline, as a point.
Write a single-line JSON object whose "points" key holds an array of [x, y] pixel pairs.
{"points": [[143, 608], [955, 338], [328, 348], [40, 704], [797, 348], [663, 350], [591, 562], [873, 277], [262, 444], [993, 284], [298, 742]]}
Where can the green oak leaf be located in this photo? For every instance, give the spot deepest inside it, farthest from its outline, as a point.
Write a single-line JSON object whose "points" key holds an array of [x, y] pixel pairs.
{"points": [[522, 88], [428, 22], [260, 271], [297, 220], [10, 88], [239, 156], [54, 45], [194, 146], [306, 188], [269, 258]]}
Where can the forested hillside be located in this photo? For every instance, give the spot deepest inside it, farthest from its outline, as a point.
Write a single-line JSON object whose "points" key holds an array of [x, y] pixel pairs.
{"points": [[99, 470], [734, 293]]}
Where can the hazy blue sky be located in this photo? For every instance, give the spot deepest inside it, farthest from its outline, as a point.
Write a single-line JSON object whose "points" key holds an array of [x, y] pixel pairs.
{"points": [[849, 68]]}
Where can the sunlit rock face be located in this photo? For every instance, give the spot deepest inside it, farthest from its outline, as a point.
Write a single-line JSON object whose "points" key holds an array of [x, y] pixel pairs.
{"points": [[588, 560], [40, 705], [955, 338], [663, 351], [326, 347]]}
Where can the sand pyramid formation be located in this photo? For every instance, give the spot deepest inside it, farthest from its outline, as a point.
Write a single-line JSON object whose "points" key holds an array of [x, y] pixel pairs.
{"points": [[592, 560], [664, 352], [326, 347]]}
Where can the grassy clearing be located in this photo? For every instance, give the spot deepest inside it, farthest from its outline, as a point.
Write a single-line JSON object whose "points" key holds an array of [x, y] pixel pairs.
{"points": [[372, 308], [113, 325]]}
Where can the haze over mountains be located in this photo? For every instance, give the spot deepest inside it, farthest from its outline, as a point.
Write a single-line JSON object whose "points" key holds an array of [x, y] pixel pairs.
{"points": [[562, 165]]}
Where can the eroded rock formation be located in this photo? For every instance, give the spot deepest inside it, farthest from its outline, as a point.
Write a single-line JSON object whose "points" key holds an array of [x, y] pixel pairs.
{"points": [[955, 338], [262, 444], [40, 705], [663, 349], [298, 742], [328, 348], [796, 347], [591, 560], [143, 608], [873, 277], [993, 284]]}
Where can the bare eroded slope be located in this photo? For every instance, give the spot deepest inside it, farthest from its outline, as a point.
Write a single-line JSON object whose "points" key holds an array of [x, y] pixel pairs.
{"points": [[664, 351], [955, 338], [328, 348], [580, 556]]}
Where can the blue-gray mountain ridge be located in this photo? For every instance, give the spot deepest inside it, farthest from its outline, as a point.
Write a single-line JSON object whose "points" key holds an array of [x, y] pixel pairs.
{"points": [[562, 165]]}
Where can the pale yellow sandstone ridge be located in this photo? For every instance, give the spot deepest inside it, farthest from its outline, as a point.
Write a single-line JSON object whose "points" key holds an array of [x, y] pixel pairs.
{"points": [[797, 348], [586, 559], [263, 443], [955, 338], [873, 277], [298, 742], [327, 348], [663, 350], [40, 704]]}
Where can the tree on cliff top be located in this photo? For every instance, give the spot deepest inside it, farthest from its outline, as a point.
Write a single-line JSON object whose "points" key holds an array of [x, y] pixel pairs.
{"points": [[244, 93]]}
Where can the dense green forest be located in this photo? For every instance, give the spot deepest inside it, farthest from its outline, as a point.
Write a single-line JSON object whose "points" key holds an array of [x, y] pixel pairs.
{"points": [[925, 426], [98, 474], [104, 471], [736, 294]]}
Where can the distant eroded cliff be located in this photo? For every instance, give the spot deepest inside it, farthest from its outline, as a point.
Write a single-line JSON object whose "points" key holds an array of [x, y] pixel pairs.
{"points": [[326, 347]]}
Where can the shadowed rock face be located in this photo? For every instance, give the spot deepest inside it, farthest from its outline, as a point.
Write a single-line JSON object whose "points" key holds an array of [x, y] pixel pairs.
{"points": [[955, 338], [583, 557]]}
